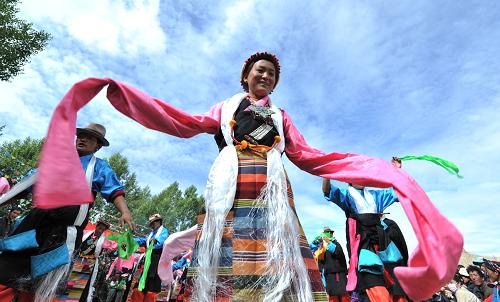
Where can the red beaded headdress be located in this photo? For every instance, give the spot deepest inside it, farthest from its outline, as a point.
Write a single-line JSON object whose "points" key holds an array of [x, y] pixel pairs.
{"points": [[257, 57]]}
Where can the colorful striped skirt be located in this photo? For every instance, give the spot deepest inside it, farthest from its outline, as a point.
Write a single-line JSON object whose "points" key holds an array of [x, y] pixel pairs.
{"points": [[243, 251]]}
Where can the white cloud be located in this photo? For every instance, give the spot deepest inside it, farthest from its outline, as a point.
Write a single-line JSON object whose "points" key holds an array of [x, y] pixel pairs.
{"points": [[126, 28]]}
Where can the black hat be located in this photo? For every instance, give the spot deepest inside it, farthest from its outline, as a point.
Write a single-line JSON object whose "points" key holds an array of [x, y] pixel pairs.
{"points": [[492, 265], [96, 130]]}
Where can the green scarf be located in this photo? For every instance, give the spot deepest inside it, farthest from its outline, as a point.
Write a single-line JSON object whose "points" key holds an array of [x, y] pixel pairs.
{"points": [[324, 234], [130, 245], [147, 263], [447, 165]]}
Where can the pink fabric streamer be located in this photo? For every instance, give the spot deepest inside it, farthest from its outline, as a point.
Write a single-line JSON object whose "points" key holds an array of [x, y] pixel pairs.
{"points": [[110, 245], [122, 263], [354, 240], [4, 185], [62, 180], [173, 246], [188, 255]]}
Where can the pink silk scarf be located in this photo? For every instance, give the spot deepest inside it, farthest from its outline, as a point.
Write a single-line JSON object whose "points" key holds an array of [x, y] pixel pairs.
{"points": [[174, 245], [61, 180], [4, 185], [354, 240]]}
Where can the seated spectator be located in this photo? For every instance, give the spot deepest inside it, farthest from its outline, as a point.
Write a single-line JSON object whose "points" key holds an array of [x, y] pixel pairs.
{"points": [[465, 276], [10, 222], [462, 294], [479, 262], [478, 287]]}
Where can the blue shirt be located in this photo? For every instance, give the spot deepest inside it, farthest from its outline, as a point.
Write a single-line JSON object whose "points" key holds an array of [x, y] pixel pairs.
{"points": [[341, 197], [160, 239], [104, 180], [179, 264]]}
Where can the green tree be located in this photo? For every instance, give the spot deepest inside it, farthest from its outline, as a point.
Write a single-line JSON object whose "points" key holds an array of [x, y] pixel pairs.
{"points": [[17, 158], [134, 194], [18, 40], [178, 208]]}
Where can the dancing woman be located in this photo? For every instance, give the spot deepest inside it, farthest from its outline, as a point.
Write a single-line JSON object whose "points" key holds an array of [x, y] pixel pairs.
{"points": [[250, 241]]}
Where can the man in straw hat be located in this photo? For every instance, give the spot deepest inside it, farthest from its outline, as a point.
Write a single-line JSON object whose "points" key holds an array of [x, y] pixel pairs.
{"points": [[36, 258], [150, 282]]}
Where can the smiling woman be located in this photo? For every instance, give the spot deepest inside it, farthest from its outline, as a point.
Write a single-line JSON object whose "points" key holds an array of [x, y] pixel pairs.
{"points": [[250, 243]]}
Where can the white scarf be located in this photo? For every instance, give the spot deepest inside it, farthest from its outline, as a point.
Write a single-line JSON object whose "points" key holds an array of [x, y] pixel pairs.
{"points": [[82, 212], [98, 249], [364, 205], [286, 267], [157, 235]]}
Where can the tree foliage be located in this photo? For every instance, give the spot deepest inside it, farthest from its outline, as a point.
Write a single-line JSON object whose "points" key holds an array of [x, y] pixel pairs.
{"points": [[18, 40], [134, 194], [17, 158], [178, 208]]}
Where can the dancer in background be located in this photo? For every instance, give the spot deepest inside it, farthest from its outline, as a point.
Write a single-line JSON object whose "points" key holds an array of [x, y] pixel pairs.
{"points": [[150, 282], [36, 258], [331, 261]]}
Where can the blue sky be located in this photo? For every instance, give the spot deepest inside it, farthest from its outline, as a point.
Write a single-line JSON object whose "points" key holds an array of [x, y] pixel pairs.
{"points": [[381, 78]]}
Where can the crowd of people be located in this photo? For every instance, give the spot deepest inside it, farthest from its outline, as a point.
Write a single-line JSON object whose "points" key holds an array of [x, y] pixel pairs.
{"points": [[477, 282], [249, 244]]}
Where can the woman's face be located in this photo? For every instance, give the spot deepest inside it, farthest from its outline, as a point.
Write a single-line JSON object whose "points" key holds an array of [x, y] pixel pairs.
{"points": [[261, 79]]}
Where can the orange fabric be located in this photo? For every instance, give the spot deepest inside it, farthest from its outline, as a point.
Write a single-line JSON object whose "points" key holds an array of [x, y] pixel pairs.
{"points": [[150, 297], [319, 255], [249, 245], [399, 299], [378, 294], [137, 296], [252, 177], [343, 298]]}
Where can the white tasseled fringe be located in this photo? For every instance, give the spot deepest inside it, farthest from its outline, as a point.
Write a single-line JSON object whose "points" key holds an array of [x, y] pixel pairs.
{"points": [[219, 197], [286, 271], [47, 285]]}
